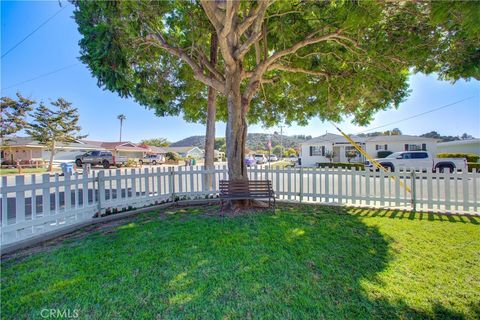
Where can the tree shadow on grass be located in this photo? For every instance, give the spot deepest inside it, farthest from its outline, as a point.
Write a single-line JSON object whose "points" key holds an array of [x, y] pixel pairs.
{"points": [[292, 265]]}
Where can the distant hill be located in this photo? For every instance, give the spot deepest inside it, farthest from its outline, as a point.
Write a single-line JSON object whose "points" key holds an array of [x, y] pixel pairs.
{"points": [[255, 141]]}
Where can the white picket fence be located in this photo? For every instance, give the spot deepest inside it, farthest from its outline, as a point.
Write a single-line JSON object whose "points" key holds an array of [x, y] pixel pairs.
{"points": [[32, 205]]}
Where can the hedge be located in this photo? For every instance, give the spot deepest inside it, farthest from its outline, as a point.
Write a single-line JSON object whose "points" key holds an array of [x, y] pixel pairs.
{"points": [[472, 165], [346, 165], [471, 157]]}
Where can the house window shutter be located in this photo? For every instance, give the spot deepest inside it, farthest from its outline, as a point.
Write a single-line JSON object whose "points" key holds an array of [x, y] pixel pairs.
{"points": [[406, 146], [323, 151], [376, 147], [311, 151], [424, 147], [386, 147]]}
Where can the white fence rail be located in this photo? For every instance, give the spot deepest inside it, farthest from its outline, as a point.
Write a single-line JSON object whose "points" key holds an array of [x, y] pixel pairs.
{"points": [[32, 205]]}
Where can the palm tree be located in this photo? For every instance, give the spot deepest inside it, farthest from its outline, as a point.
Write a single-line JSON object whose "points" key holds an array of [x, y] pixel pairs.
{"points": [[121, 117]]}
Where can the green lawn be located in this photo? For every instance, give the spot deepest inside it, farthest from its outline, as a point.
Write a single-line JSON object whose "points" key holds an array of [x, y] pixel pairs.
{"points": [[25, 171], [304, 262]]}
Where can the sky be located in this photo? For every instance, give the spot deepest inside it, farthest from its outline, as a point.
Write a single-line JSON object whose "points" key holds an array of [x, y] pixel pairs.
{"points": [[54, 47]]}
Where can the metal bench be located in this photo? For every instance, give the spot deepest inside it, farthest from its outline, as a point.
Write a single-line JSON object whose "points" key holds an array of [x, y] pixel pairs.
{"points": [[245, 190]]}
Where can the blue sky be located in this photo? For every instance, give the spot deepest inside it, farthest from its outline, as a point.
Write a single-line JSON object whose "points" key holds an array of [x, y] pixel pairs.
{"points": [[54, 46]]}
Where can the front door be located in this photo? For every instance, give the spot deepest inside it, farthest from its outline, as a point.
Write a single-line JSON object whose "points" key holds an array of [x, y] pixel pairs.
{"points": [[337, 153]]}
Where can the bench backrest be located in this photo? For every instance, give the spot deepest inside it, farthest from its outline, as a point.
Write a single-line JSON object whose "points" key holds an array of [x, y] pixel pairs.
{"points": [[250, 188]]}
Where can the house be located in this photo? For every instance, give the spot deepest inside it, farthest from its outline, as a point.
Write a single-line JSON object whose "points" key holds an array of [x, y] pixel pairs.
{"points": [[184, 152], [460, 146], [26, 149], [315, 150], [125, 148], [153, 150]]}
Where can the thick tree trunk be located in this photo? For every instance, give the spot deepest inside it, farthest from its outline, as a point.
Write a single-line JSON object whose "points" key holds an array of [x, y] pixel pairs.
{"points": [[236, 136], [211, 117], [236, 131], [52, 154]]}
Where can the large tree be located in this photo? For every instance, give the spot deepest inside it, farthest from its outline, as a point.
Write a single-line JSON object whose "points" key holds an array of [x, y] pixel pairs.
{"points": [[279, 60], [13, 114], [53, 126]]}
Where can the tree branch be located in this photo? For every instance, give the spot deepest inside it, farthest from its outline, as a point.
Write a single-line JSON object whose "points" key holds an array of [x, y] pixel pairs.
{"points": [[158, 41], [256, 24], [213, 14], [252, 16], [282, 67], [258, 72]]}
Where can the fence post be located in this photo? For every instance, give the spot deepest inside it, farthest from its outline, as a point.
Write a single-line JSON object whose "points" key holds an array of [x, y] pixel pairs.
{"points": [[171, 183], [413, 189], [301, 185], [101, 191]]}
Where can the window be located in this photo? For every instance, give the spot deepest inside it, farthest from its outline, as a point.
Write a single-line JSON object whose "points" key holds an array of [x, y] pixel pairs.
{"points": [[419, 155], [415, 147], [317, 150], [378, 147]]}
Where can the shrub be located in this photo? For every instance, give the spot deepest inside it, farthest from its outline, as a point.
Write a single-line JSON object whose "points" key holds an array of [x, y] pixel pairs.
{"points": [[173, 156], [358, 166], [472, 165], [131, 163], [384, 153], [471, 157]]}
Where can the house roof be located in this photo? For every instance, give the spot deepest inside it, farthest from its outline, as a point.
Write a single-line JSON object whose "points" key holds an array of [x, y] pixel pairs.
{"points": [[459, 142], [29, 142], [332, 138], [335, 138], [158, 150], [398, 138], [181, 149], [117, 145]]}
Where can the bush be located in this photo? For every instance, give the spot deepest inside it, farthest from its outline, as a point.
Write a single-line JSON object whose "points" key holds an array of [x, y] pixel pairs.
{"points": [[173, 156], [384, 154], [472, 165], [358, 166], [471, 157], [131, 163]]}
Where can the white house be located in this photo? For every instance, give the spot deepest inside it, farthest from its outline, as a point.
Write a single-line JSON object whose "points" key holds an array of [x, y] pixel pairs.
{"points": [[460, 146], [315, 150], [184, 152]]}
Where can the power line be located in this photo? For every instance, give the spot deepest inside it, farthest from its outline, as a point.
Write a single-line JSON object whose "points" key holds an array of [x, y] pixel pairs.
{"points": [[418, 115], [405, 119], [32, 32], [42, 75]]}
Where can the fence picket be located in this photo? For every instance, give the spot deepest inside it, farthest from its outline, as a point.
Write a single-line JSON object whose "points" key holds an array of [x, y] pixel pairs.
{"points": [[4, 201], [20, 200]]}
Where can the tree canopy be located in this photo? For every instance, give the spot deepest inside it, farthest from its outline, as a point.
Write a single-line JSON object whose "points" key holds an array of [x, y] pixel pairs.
{"points": [[52, 126], [14, 113], [157, 142], [317, 59]]}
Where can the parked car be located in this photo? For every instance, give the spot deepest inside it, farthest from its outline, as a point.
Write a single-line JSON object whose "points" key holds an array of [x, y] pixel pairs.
{"points": [[261, 158], [250, 161], [419, 160], [153, 159], [100, 157], [272, 158]]}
